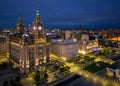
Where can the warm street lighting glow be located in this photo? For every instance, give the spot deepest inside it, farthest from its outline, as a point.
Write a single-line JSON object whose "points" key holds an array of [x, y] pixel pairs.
{"points": [[64, 59], [82, 52], [115, 39], [109, 74], [95, 78]]}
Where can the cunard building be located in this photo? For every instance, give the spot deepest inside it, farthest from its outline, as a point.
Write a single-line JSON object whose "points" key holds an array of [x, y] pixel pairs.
{"points": [[28, 50]]}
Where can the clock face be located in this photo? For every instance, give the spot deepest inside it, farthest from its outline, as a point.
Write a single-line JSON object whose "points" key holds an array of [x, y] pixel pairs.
{"points": [[34, 28], [39, 28]]}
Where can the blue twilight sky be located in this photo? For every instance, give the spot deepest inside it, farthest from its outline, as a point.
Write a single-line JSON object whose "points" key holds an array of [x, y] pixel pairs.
{"points": [[66, 13]]}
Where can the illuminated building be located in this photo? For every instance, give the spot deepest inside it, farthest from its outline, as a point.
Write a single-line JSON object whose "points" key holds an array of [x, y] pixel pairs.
{"points": [[68, 34], [2, 45], [84, 37], [51, 35], [86, 45], [115, 38], [64, 49], [114, 70], [28, 50], [61, 33]]}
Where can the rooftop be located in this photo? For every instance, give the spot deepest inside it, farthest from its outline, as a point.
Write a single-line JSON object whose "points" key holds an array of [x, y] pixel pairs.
{"points": [[61, 41], [115, 65]]}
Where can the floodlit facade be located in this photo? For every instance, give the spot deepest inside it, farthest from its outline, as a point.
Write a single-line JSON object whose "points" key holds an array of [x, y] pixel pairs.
{"points": [[68, 34], [86, 45], [114, 70], [64, 49], [2, 45], [28, 50]]}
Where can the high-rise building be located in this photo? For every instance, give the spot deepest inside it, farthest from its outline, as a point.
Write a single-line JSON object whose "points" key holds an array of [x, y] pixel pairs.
{"points": [[28, 50]]}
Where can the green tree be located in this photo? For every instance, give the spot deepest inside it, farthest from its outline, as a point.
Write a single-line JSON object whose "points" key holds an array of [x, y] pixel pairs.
{"points": [[113, 51], [36, 77], [5, 83], [17, 79], [82, 63], [45, 75], [55, 67], [12, 82], [62, 70], [92, 59]]}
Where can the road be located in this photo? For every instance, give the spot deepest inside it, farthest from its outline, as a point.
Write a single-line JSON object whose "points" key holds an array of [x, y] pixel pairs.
{"points": [[90, 76], [93, 77]]}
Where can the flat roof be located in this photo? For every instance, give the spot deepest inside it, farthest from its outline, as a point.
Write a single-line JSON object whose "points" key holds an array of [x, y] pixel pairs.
{"points": [[115, 65], [66, 41]]}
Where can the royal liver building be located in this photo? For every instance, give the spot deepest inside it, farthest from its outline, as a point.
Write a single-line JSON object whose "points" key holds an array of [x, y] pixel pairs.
{"points": [[28, 49]]}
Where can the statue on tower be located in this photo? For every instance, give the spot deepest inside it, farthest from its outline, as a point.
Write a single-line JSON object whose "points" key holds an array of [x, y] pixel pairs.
{"points": [[20, 26], [37, 12]]}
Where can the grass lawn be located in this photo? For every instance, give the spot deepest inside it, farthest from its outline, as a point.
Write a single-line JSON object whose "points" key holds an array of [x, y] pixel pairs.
{"points": [[94, 68]]}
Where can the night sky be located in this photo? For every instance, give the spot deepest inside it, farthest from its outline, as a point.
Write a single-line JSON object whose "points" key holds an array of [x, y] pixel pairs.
{"points": [[62, 13]]}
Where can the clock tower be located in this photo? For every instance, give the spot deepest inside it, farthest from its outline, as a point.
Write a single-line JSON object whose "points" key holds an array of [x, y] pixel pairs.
{"points": [[41, 53], [38, 30]]}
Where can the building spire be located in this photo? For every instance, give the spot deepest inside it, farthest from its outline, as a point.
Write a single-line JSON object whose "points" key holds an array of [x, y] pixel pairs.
{"points": [[37, 12]]}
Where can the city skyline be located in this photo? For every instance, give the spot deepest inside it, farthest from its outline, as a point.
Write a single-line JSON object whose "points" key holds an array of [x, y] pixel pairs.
{"points": [[56, 57], [62, 13]]}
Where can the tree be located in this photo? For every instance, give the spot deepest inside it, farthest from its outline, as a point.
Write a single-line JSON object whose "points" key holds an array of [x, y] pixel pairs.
{"points": [[87, 58], [5, 83], [82, 63], [113, 51], [45, 76], [17, 79], [55, 67], [36, 77], [62, 70], [4, 65], [12, 82], [92, 59]]}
